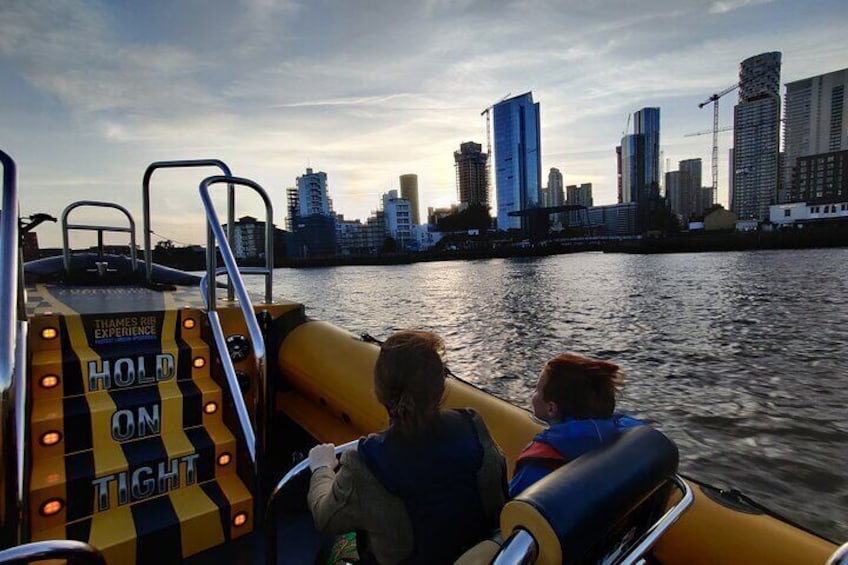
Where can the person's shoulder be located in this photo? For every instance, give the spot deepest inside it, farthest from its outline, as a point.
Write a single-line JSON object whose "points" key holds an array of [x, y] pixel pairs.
{"points": [[624, 421]]}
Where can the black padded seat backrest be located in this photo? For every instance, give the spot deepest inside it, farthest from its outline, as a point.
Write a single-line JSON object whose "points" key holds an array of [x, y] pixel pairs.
{"points": [[598, 504]]}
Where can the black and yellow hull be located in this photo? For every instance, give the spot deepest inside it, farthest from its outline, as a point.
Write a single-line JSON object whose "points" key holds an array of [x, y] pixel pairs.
{"points": [[332, 397], [144, 467]]}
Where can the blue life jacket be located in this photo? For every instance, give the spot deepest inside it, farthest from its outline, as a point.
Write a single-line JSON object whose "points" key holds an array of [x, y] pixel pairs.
{"points": [[435, 475], [563, 442]]}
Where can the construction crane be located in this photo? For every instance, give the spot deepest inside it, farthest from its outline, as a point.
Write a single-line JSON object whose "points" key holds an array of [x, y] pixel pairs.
{"points": [[714, 101], [706, 131]]}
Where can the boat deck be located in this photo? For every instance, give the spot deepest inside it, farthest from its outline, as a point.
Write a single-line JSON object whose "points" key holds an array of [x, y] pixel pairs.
{"points": [[46, 299]]}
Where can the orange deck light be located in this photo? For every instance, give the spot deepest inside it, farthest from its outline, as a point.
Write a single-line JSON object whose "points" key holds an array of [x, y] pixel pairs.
{"points": [[240, 519], [49, 333], [199, 362], [50, 438], [52, 507], [224, 459], [49, 381], [189, 323], [210, 407]]}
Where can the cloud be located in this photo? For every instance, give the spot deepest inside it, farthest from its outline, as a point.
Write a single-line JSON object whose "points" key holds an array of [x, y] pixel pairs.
{"points": [[725, 6], [351, 101]]}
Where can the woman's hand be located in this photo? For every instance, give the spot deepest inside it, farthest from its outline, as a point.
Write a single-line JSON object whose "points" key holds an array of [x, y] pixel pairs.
{"points": [[322, 455]]}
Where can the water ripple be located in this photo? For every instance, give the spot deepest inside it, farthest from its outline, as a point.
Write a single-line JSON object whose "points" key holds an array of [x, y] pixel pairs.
{"points": [[736, 356]]}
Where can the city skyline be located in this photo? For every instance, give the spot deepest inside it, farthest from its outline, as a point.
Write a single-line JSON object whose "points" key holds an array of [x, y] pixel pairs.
{"points": [[93, 92]]}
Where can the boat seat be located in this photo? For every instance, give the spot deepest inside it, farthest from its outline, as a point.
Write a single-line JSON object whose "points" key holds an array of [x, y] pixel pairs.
{"points": [[599, 507]]}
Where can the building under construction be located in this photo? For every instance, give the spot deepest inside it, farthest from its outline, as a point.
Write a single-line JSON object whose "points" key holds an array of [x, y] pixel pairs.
{"points": [[472, 176]]}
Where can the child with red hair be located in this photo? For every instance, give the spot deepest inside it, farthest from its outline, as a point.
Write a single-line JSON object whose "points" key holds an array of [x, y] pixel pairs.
{"points": [[575, 395]]}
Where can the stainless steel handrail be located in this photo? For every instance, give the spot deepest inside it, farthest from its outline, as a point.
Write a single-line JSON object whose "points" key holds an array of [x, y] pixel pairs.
{"points": [[8, 271], [270, 512], [652, 536], [9, 378], [66, 250], [840, 556], [517, 548], [145, 187], [233, 385], [11, 359], [73, 551], [520, 549], [21, 428], [215, 234]]}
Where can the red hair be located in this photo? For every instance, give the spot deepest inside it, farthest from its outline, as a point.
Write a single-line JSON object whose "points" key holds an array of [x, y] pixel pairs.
{"points": [[581, 387]]}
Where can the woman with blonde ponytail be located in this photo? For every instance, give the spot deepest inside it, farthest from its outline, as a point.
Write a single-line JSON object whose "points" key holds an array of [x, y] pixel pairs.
{"points": [[425, 489]]}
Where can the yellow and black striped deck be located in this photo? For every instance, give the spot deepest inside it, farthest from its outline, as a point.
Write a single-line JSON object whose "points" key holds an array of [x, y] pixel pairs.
{"points": [[128, 447]]}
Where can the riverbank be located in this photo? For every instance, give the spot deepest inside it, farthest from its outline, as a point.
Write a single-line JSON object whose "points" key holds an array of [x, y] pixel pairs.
{"points": [[816, 237], [821, 236], [688, 242]]}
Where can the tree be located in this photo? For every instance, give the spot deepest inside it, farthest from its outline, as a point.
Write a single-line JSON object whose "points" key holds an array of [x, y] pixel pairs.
{"points": [[474, 217]]}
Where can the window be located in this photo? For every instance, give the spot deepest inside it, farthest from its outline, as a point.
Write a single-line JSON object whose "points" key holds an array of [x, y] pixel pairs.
{"points": [[787, 213]]}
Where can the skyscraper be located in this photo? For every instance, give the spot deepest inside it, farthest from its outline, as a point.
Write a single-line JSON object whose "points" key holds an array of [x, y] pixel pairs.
{"points": [[692, 170], [683, 190], [816, 112], [518, 158], [640, 158], [556, 196], [472, 177], [646, 122], [409, 191], [632, 167], [756, 137]]}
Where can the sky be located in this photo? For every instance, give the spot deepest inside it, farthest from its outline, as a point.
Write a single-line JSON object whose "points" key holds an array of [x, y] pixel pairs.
{"points": [[91, 92]]}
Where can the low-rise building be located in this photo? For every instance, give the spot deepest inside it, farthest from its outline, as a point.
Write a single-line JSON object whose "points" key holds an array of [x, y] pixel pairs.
{"points": [[804, 212], [720, 219]]}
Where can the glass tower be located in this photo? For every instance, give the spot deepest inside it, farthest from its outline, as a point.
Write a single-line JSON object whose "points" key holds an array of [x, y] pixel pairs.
{"points": [[518, 158], [756, 137], [647, 124]]}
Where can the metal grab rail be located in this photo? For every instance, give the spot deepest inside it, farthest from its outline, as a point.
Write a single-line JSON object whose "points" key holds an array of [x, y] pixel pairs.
{"points": [[21, 428], [73, 551], [145, 188], [215, 234], [9, 379], [840, 556], [66, 250], [518, 549], [270, 511]]}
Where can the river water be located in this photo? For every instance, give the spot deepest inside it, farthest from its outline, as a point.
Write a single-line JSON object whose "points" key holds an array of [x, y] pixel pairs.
{"points": [[738, 357]]}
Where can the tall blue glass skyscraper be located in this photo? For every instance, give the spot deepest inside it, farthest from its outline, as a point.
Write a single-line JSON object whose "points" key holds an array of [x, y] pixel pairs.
{"points": [[647, 124], [518, 158], [640, 158]]}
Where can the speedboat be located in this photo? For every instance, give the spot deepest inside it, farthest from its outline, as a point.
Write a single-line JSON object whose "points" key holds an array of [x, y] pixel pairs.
{"points": [[151, 415]]}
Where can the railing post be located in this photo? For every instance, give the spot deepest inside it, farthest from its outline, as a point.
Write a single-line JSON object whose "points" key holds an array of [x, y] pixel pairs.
{"points": [[66, 228], [145, 196], [9, 270], [215, 234]]}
